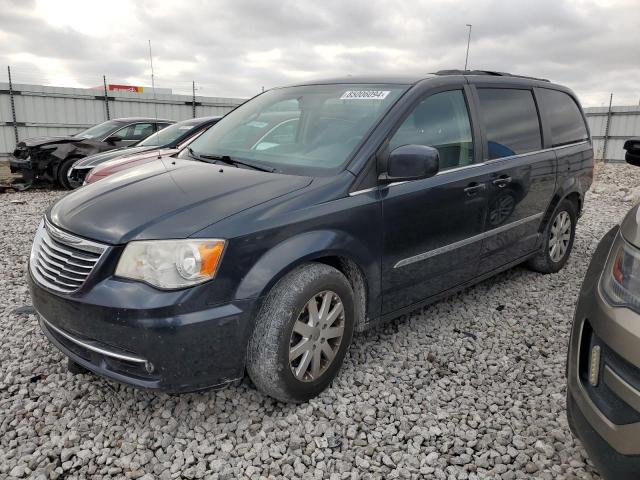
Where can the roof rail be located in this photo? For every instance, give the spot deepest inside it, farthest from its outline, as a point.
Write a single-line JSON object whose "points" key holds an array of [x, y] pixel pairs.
{"points": [[486, 72]]}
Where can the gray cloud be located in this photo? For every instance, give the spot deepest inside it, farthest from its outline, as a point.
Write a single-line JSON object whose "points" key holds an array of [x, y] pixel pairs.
{"points": [[233, 48]]}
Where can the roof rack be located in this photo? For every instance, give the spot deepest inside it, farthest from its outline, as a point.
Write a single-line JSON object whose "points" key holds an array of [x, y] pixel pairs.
{"points": [[486, 72]]}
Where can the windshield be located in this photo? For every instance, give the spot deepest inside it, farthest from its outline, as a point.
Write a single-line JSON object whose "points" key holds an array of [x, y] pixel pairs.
{"points": [[100, 130], [168, 134], [303, 130]]}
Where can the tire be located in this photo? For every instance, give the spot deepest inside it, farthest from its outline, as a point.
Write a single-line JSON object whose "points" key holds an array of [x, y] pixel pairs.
{"points": [[63, 170], [273, 338], [544, 261]]}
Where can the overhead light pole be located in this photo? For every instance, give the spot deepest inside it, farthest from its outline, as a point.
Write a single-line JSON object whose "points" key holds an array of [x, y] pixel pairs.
{"points": [[466, 59]]}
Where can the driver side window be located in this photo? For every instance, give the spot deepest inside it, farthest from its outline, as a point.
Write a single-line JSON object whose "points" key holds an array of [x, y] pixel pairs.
{"points": [[137, 131], [440, 121]]}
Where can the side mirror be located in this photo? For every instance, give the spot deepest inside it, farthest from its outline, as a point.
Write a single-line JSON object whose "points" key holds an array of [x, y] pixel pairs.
{"points": [[632, 146], [411, 162], [113, 140]]}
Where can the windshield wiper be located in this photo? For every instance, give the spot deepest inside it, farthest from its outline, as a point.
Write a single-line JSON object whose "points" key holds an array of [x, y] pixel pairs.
{"points": [[193, 154], [232, 161]]}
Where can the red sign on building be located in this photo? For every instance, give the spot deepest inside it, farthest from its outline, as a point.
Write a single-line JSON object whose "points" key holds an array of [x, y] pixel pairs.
{"points": [[125, 88]]}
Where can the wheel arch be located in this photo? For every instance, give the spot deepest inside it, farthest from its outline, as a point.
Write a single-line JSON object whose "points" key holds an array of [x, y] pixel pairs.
{"points": [[335, 248], [573, 195], [57, 164]]}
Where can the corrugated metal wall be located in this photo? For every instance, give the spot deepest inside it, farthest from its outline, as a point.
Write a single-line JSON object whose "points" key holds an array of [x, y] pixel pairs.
{"points": [[624, 122], [44, 111], [48, 111]]}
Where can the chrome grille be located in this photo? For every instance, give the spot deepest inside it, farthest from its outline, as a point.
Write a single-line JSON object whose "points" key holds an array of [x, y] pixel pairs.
{"points": [[62, 261]]}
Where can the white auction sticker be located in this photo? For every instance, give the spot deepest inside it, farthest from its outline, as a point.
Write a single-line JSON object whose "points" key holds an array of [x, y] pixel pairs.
{"points": [[255, 123], [365, 95]]}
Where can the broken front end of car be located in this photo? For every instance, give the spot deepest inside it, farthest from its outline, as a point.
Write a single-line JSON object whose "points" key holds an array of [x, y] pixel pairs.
{"points": [[49, 160]]}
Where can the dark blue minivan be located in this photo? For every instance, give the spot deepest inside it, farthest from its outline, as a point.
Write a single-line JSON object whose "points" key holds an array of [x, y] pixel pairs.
{"points": [[307, 213]]}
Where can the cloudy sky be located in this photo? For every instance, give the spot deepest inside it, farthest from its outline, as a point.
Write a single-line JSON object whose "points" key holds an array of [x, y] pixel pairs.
{"points": [[235, 47]]}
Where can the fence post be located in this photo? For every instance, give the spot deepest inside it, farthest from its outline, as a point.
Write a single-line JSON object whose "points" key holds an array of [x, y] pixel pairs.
{"points": [[193, 98], [13, 106], [606, 131], [106, 97]]}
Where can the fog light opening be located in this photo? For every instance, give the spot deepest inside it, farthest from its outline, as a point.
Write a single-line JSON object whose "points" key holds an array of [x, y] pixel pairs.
{"points": [[594, 366]]}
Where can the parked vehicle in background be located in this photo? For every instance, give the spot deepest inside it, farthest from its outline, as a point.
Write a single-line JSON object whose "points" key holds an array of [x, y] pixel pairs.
{"points": [[359, 200], [272, 127], [603, 368], [172, 137], [50, 158]]}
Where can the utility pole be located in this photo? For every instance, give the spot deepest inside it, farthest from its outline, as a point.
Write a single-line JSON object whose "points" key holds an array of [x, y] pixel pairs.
{"points": [[155, 100], [606, 130], [193, 98], [153, 82], [106, 98], [13, 106], [466, 60]]}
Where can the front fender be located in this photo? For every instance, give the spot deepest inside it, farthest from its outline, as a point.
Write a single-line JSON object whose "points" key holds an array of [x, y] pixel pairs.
{"points": [[306, 247]]}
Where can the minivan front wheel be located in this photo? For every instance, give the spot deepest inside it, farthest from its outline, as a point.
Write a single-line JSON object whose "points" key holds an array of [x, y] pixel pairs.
{"points": [[557, 241], [302, 333]]}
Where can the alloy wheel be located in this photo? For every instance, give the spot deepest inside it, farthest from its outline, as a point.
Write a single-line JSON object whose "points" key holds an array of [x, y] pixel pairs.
{"points": [[560, 235], [316, 336]]}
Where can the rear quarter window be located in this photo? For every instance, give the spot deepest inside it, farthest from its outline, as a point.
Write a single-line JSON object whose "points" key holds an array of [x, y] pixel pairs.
{"points": [[511, 121], [564, 117]]}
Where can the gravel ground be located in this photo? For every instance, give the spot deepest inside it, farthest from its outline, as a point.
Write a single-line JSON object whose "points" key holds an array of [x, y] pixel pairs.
{"points": [[470, 387]]}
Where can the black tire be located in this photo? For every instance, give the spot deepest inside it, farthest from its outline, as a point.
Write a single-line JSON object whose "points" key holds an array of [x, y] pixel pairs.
{"points": [[268, 361], [543, 261], [63, 170], [75, 368]]}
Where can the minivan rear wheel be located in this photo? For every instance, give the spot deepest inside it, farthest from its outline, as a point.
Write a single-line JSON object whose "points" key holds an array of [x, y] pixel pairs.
{"points": [[302, 333], [557, 241]]}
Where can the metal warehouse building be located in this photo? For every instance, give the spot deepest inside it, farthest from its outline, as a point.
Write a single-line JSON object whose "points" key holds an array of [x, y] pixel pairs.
{"points": [[36, 110], [610, 128]]}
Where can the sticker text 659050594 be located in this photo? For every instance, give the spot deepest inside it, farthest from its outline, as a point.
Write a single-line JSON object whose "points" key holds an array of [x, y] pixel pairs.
{"points": [[365, 95]]}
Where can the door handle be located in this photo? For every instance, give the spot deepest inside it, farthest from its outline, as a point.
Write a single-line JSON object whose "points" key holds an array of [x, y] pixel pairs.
{"points": [[502, 182], [473, 188]]}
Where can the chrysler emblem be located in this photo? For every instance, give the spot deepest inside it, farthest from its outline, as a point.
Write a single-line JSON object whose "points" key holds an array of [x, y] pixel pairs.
{"points": [[62, 236]]}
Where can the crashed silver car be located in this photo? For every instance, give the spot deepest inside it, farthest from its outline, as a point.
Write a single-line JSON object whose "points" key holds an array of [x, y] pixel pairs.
{"points": [[48, 159]]}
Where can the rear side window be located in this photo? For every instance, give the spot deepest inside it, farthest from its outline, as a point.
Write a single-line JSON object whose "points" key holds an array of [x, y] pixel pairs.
{"points": [[565, 119], [511, 121]]}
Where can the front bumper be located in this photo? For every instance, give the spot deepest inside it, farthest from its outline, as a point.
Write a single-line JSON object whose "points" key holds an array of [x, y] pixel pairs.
{"points": [[611, 464], [21, 166], [605, 416], [77, 176], [147, 338]]}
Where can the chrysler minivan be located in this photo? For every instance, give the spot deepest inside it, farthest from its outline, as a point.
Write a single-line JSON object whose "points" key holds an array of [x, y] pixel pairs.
{"points": [[308, 213]]}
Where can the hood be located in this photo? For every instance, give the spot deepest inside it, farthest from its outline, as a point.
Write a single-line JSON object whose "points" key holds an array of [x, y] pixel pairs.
{"points": [[98, 158], [39, 141], [122, 163], [630, 226], [171, 198]]}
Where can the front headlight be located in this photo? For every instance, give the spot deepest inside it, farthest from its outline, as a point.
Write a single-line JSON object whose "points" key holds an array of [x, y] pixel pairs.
{"points": [[171, 264], [621, 276]]}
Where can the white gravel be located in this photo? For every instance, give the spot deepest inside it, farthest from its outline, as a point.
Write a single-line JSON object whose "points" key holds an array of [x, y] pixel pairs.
{"points": [[470, 387]]}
